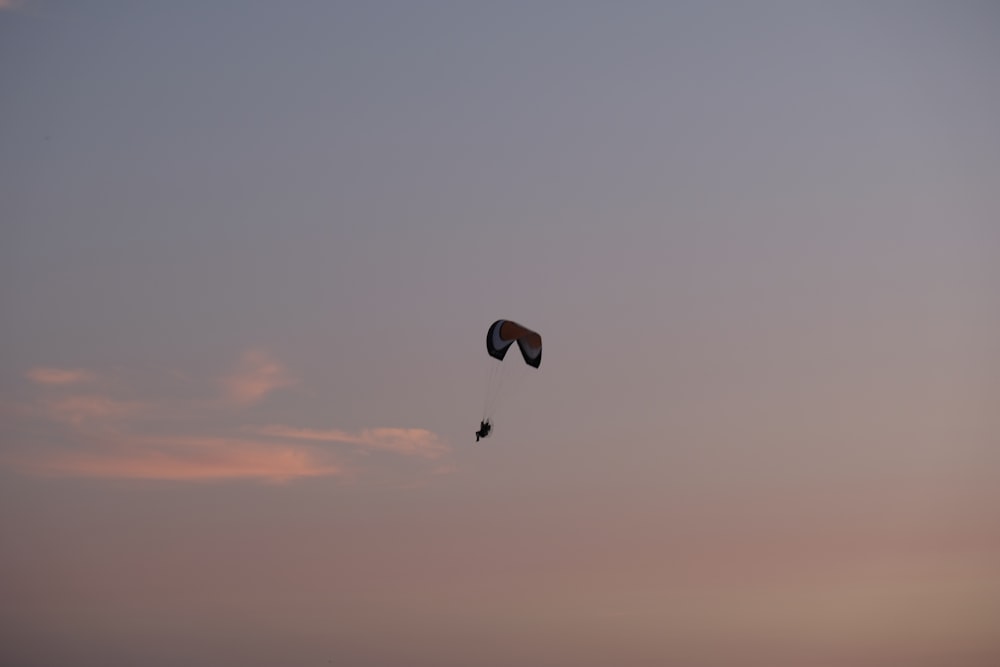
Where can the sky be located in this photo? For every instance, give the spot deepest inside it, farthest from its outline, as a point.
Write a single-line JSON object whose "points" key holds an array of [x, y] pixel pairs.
{"points": [[249, 253]]}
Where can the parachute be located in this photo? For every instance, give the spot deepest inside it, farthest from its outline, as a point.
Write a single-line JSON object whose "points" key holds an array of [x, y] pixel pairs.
{"points": [[501, 335]]}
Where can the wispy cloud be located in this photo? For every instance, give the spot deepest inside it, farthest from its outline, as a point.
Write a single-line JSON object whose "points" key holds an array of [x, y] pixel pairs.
{"points": [[90, 408], [407, 441], [83, 426], [183, 459], [10, 4], [256, 376], [59, 376]]}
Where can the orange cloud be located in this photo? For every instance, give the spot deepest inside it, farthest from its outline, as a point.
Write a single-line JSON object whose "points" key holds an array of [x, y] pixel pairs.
{"points": [[183, 459], [257, 375], [59, 376], [407, 441]]}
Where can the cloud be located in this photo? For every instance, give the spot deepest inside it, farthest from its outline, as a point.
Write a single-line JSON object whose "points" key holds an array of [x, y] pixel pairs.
{"points": [[78, 425], [406, 441], [83, 409], [58, 376], [11, 4], [256, 376], [190, 458]]}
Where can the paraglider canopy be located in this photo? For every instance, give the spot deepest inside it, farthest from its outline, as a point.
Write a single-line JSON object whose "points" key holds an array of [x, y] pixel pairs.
{"points": [[503, 333]]}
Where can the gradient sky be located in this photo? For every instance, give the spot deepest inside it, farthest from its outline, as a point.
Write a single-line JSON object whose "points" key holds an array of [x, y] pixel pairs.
{"points": [[250, 251]]}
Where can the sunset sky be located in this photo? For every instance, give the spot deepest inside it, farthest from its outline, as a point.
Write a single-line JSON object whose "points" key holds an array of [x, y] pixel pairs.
{"points": [[249, 252]]}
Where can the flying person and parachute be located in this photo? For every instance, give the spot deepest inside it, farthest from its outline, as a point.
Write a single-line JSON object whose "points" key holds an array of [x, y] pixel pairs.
{"points": [[499, 338]]}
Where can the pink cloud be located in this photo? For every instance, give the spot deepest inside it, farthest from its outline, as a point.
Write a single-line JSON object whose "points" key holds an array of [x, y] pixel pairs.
{"points": [[406, 441], [183, 459], [59, 376], [81, 409], [99, 435], [257, 375]]}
